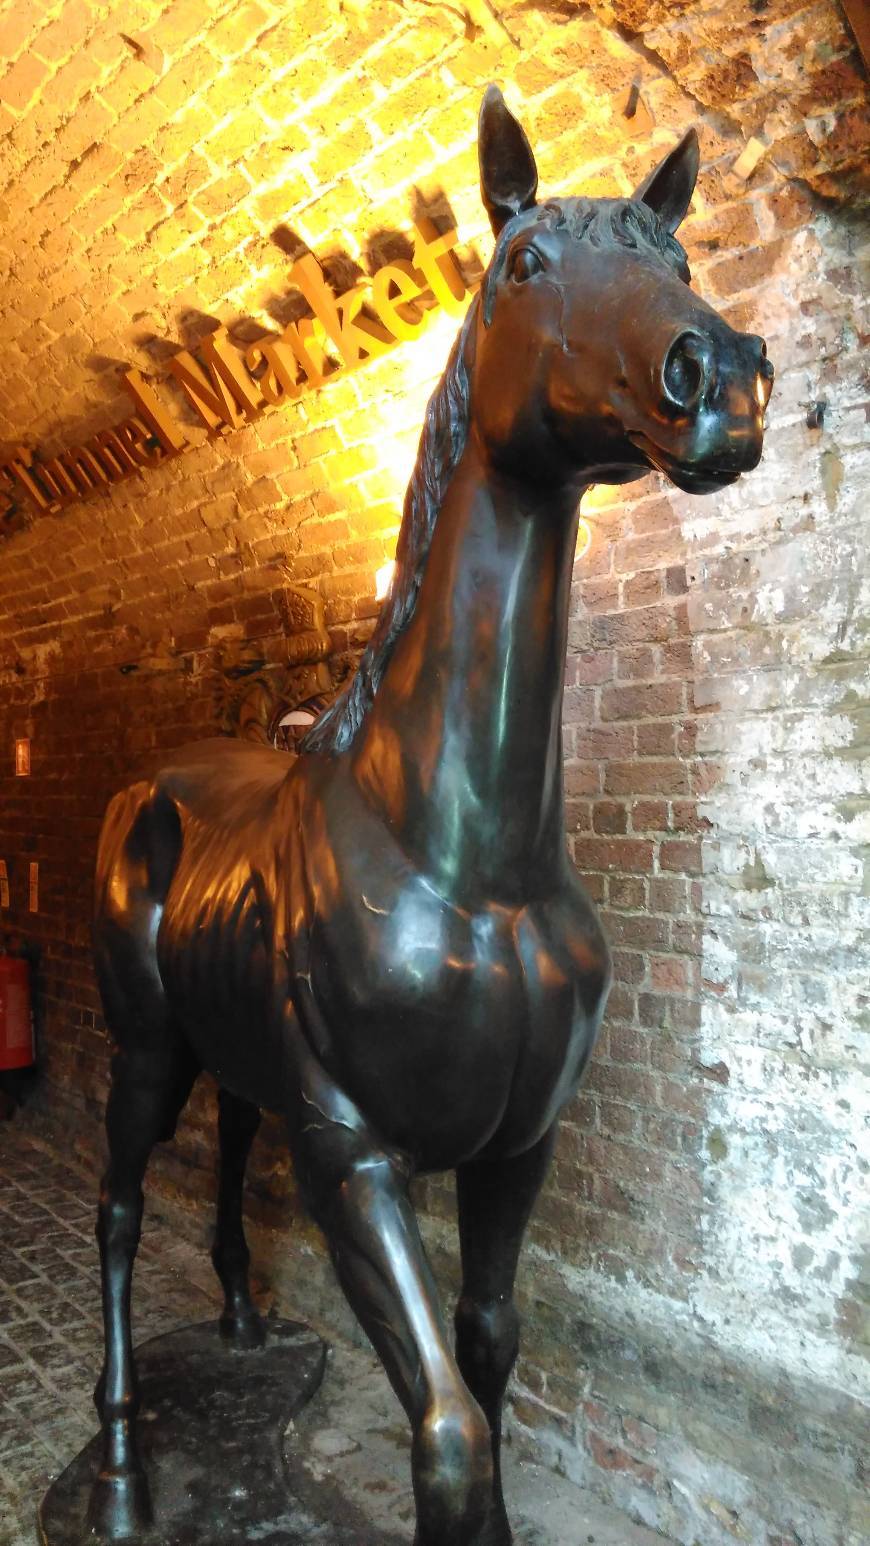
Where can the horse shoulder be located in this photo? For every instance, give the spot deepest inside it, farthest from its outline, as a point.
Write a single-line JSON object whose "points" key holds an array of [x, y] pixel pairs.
{"points": [[563, 927]]}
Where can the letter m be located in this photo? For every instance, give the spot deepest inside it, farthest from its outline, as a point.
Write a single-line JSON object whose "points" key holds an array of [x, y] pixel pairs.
{"points": [[218, 396]]}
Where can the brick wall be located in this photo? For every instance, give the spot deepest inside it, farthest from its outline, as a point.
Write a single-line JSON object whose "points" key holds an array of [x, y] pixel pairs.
{"points": [[695, 1299]]}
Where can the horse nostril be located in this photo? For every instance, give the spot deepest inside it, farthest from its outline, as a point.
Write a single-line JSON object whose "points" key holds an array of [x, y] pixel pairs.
{"points": [[685, 371], [764, 370], [761, 362]]}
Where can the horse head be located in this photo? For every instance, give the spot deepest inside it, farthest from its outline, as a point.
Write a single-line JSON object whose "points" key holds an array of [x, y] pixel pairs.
{"points": [[594, 359]]}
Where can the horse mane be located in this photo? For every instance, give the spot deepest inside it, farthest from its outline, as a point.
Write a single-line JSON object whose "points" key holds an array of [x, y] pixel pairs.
{"points": [[442, 442], [623, 222], [627, 223]]}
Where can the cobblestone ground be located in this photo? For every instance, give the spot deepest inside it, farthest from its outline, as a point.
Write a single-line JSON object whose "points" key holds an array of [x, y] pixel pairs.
{"points": [[50, 1333], [353, 1433]]}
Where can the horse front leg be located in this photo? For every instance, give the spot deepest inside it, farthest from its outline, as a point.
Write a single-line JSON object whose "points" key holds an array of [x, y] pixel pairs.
{"points": [[495, 1200], [358, 1194]]}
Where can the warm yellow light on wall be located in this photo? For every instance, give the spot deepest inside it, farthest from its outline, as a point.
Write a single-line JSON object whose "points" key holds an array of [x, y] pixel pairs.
{"points": [[419, 367], [384, 579], [598, 495], [396, 456], [595, 498], [22, 758]]}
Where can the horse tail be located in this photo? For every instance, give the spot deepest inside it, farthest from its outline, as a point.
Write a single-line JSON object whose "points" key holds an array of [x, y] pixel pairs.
{"points": [[136, 857]]}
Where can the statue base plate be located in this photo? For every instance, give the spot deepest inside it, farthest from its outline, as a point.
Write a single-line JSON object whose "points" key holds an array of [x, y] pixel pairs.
{"points": [[211, 1427]]}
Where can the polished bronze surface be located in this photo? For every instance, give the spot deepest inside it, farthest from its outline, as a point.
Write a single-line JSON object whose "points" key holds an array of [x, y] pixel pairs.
{"points": [[384, 939]]}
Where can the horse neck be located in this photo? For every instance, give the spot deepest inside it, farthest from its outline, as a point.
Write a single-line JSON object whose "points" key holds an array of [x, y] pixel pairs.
{"points": [[462, 748]]}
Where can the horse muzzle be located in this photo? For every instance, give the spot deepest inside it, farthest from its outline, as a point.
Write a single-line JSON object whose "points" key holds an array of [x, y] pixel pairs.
{"points": [[695, 369], [714, 394]]}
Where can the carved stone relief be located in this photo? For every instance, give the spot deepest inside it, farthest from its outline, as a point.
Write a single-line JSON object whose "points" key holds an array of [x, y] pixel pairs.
{"points": [[274, 702]]}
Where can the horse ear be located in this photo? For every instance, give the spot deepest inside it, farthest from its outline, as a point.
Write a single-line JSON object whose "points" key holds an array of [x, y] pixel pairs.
{"points": [[508, 175], [669, 186]]}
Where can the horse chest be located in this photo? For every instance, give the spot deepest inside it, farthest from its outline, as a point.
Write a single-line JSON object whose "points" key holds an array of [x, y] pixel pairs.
{"points": [[455, 1029]]}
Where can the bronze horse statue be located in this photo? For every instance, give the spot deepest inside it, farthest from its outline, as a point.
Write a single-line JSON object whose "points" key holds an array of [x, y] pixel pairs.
{"points": [[383, 938]]}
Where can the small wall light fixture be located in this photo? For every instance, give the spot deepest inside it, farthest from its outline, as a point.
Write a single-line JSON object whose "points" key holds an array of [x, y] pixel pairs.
{"points": [[22, 758]]}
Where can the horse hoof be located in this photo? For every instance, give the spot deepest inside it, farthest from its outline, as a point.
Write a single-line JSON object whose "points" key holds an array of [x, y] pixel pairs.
{"points": [[243, 1331], [493, 1535], [120, 1506], [497, 1535], [496, 1531]]}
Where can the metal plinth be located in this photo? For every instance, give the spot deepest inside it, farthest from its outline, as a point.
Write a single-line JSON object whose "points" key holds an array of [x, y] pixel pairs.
{"points": [[210, 1432]]}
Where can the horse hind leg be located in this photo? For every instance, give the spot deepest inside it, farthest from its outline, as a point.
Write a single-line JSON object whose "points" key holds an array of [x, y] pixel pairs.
{"points": [[148, 1090], [238, 1121]]}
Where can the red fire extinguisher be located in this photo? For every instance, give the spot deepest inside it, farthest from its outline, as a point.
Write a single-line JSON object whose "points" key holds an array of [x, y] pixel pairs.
{"points": [[17, 1049]]}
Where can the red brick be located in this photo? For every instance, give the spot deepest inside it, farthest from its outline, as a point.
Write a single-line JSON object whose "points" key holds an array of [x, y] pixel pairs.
{"points": [[641, 590], [650, 816], [629, 967], [604, 741], [745, 270], [619, 853], [617, 1119], [657, 740], [22, 82], [669, 973], [640, 930], [687, 936], [578, 705], [682, 856], [640, 625], [643, 777], [654, 701], [791, 208], [608, 816], [640, 1435], [578, 816], [676, 658], [598, 595], [593, 885], [582, 778], [626, 891], [725, 229], [17, 28], [621, 1005], [591, 668], [636, 663]]}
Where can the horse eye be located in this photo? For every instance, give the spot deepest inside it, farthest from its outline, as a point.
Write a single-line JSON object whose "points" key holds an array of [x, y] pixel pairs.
{"points": [[524, 263]]}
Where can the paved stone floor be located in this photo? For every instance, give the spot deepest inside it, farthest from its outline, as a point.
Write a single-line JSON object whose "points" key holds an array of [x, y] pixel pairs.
{"points": [[50, 1333], [50, 1342]]}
